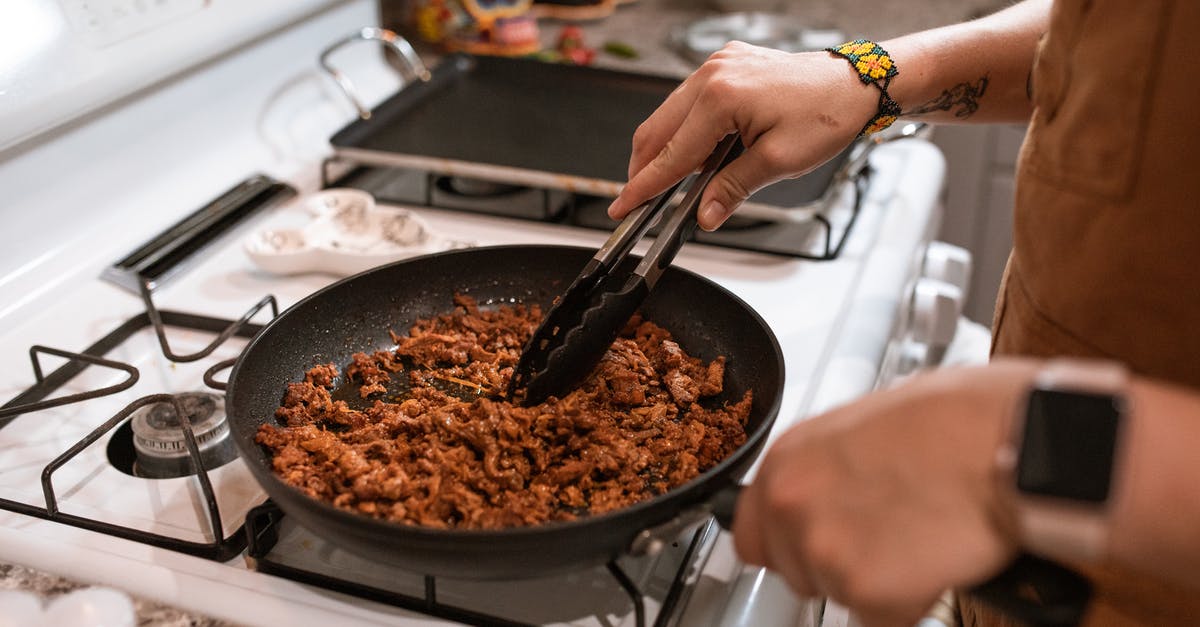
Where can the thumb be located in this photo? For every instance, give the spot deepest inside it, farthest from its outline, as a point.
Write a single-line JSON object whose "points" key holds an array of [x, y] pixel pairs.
{"points": [[730, 187]]}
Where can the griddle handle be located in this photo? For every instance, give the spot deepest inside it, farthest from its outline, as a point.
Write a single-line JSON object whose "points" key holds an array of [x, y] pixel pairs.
{"points": [[416, 69], [679, 223]]}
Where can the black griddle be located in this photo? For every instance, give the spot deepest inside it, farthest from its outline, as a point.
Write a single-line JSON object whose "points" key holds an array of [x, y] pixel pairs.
{"points": [[572, 123], [536, 116]]}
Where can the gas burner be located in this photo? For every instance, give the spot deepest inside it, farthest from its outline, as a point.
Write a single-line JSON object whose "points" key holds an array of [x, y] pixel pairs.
{"points": [[158, 440], [200, 530]]}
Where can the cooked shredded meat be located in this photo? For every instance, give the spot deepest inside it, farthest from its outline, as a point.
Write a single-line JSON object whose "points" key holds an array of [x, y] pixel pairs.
{"points": [[433, 443]]}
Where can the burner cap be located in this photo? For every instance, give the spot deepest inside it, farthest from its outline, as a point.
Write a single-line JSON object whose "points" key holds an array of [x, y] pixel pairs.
{"points": [[159, 443]]}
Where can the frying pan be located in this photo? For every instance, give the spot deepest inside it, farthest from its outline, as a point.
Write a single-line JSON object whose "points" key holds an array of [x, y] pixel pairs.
{"points": [[355, 314]]}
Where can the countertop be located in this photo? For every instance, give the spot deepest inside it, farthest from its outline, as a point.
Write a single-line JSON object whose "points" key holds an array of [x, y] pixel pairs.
{"points": [[647, 26], [48, 587]]}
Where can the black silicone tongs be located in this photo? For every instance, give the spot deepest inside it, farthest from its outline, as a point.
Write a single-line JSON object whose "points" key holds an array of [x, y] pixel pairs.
{"points": [[585, 320]]}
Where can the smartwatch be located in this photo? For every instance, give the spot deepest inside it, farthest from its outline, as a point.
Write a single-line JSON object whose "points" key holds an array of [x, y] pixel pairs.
{"points": [[1062, 458]]}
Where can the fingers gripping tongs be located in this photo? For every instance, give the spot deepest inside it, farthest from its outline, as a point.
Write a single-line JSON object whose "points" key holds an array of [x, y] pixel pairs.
{"points": [[585, 320]]}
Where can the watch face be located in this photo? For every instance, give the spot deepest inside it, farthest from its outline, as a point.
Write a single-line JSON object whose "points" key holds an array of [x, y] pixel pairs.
{"points": [[1068, 444]]}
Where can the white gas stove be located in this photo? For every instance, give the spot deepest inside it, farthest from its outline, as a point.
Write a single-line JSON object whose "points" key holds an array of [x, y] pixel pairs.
{"points": [[132, 157]]}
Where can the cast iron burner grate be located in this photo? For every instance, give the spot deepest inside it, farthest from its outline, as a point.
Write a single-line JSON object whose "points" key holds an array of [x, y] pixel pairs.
{"points": [[814, 234], [33, 399], [264, 529]]}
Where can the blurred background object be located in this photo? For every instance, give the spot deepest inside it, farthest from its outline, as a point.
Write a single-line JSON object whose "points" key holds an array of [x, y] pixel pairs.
{"points": [[735, 6], [575, 10], [494, 27], [697, 40]]}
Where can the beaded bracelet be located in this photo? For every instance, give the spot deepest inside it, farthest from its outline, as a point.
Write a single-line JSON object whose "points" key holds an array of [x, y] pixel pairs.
{"points": [[874, 66]]}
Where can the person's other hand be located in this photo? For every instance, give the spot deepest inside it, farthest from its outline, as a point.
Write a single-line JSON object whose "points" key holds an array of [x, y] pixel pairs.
{"points": [[885, 503], [794, 112]]}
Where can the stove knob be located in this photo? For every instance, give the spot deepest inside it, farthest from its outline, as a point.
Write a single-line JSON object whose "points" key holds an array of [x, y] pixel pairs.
{"points": [[949, 263], [20, 609], [936, 306], [92, 607]]}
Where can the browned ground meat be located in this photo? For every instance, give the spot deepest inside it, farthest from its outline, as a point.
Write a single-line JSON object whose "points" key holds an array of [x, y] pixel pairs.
{"points": [[449, 451]]}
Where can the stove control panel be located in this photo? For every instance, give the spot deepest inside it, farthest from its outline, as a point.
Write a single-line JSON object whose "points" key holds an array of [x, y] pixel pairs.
{"points": [[930, 321], [936, 306], [949, 263], [105, 22], [63, 59]]}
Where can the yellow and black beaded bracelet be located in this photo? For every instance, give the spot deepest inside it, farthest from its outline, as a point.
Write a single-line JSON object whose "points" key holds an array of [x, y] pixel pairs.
{"points": [[874, 66]]}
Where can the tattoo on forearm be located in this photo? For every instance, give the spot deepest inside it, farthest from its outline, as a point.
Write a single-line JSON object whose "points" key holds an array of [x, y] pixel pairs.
{"points": [[964, 96]]}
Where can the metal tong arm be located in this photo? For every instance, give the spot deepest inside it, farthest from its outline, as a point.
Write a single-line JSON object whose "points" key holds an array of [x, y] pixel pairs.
{"points": [[675, 229], [565, 311], [679, 225], [625, 237], [601, 302]]}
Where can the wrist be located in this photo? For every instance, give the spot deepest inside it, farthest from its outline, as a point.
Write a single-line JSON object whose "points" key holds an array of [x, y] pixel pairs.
{"points": [[873, 66], [911, 87], [849, 102]]}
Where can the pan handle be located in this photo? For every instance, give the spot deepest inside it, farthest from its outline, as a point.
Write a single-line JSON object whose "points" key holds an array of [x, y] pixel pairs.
{"points": [[720, 505], [723, 504], [1060, 596]]}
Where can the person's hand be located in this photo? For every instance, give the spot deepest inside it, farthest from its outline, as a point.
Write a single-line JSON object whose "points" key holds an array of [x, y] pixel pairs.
{"points": [[885, 503], [794, 112]]}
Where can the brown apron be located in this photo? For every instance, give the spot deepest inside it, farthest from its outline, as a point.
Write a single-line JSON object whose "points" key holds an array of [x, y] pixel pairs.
{"points": [[1106, 241]]}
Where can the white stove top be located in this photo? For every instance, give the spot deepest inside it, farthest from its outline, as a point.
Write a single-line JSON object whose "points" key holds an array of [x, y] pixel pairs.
{"points": [[78, 200]]}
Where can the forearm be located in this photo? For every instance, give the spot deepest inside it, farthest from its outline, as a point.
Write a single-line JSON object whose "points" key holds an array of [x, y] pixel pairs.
{"points": [[976, 71], [1156, 510]]}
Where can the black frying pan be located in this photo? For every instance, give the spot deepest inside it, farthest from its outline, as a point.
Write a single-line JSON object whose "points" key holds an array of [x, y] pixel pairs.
{"points": [[355, 315]]}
